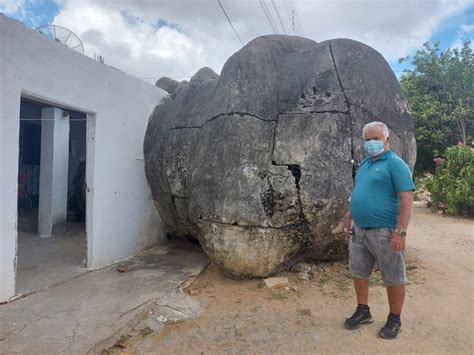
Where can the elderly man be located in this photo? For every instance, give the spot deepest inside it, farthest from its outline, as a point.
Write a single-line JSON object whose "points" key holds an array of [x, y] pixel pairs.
{"points": [[380, 210]]}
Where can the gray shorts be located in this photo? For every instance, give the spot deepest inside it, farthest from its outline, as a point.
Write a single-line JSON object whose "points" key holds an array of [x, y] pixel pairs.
{"points": [[370, 246]]}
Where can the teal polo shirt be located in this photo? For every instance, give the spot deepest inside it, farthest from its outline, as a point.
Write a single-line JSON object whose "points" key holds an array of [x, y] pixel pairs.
{"points": [[375, 201]]}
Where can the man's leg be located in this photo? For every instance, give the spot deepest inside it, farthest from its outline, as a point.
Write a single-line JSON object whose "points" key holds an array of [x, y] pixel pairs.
{"points": [[361, 287], [396, 296], [392, 268], [362, 314], [361, 263]]}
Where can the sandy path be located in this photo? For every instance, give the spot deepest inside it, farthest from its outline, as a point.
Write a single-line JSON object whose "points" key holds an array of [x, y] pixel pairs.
{"points": [[241, 317]]}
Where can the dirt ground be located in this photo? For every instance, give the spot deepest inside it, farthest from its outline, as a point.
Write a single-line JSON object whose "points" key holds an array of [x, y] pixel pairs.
{"points": [[242, 317]]}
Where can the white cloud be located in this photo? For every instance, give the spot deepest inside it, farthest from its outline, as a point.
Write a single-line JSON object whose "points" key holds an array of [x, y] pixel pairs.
{"points": [[463, 36], [11, 7], [128, 41], [394, 28], [467, 28], [196, 33], [21, 10]]}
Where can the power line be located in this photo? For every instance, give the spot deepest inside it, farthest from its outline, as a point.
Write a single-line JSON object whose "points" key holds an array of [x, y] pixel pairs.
{"points": [[269, 15], [292, 10], [292, 15], [265, 11], [230, 22], [279, 18], [289, 15], [298, 21], [171, 77], [53, 119], [286, 8]]}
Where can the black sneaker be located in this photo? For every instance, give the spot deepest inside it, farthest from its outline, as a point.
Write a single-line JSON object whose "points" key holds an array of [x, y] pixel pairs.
{"points": [[360, 316], [391, 328]]}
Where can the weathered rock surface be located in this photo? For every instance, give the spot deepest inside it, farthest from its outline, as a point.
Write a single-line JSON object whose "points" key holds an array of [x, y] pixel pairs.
{"points": [[256, 163], [167, 84]]}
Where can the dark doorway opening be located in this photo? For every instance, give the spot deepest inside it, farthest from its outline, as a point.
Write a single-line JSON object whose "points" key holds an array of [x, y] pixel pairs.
{"points": [[44, 262]]}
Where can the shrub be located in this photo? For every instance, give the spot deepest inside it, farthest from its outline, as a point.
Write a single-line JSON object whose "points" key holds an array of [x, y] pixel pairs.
{"points": [[452, 185], [421, 193]]}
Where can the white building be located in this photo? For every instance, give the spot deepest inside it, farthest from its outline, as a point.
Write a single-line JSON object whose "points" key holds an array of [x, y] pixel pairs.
{"points": [[56, 88]]}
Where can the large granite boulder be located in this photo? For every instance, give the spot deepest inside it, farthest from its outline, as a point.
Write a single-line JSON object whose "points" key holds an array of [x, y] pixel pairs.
{"points": [[256, 163], [167, 84]]}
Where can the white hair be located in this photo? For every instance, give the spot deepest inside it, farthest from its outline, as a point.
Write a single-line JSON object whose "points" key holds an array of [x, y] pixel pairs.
{"points": [[375, 124]]}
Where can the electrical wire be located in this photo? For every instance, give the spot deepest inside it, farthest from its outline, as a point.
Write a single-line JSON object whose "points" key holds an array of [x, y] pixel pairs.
{"points": [[297, 18], [171, 77], [292, 10], [287, 10], [230, 22], [279, 18], [71, 120], [268, 15]]}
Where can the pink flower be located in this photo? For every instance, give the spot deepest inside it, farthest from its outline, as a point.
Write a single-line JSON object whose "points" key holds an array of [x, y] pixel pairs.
{"points": [[438, 161], [461, 143], [442, 205]]}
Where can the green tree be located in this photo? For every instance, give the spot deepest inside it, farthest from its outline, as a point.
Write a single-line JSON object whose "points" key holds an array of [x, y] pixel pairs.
{"points": [[440, 91]]}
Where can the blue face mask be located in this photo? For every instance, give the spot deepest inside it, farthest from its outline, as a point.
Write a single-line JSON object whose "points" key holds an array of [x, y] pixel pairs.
{"points": [[374, 147]]}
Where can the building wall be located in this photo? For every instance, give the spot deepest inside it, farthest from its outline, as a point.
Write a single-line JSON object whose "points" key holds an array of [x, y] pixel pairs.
{"points": [[121, 219]]}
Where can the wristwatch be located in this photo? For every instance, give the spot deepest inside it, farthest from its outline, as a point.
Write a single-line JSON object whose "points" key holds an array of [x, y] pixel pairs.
{"points": [[401, 232]]}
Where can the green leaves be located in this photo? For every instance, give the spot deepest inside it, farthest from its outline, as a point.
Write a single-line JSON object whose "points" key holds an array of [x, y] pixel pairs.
{"points": [[452, 186], [440, 91]]}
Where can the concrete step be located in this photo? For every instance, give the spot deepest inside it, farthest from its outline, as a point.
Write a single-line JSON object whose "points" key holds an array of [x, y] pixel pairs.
{"points": [[88, 314]]}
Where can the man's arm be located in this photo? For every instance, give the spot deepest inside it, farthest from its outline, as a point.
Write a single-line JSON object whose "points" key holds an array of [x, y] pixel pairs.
{"points": [[404, 214]]}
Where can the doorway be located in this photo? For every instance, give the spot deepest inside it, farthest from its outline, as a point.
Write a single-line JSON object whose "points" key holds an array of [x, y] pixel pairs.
{"points": [[52, 240]]}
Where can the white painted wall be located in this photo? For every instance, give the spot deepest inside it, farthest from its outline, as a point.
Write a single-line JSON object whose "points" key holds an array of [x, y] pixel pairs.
{"points": [[121, 219]]}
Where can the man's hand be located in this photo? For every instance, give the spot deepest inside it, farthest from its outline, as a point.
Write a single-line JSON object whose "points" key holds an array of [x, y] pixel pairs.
{"points": [[347, 224], [397, 243]]}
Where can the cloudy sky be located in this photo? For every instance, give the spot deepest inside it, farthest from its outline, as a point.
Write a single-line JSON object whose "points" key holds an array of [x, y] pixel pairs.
{"points": [[154, 38]]}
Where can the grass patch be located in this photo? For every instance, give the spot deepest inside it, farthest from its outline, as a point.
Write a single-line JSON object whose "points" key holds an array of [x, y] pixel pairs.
{"points": [[279, 296], [146, 331], [375, 281], [324, 278], [305, 312]]}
